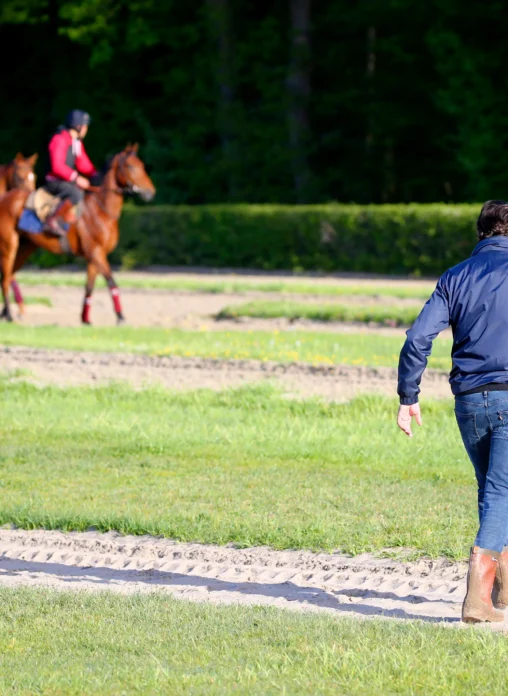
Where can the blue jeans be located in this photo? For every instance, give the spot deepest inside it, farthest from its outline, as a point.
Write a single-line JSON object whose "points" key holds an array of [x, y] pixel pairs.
{"points": [[483, 424]]}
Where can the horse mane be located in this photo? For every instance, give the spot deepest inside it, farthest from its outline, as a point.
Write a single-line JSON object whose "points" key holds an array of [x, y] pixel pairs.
{"points": [[108, 163]]}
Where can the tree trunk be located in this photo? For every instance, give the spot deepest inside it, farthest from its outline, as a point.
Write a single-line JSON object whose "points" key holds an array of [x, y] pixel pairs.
{"points": [[370, 72], [298, 86], [219, 13], [370, 174]]}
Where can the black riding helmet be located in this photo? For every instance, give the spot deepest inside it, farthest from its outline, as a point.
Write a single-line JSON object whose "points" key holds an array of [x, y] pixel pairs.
{"points": [[77, 118]]}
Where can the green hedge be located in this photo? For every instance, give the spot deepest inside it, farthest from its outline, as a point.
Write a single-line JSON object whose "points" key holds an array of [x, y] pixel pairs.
{"points": [[391, 239]]}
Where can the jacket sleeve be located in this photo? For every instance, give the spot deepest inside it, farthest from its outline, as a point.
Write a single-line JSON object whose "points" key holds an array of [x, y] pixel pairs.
{"points": [[57, 155], [84, 164], [434, 317]]}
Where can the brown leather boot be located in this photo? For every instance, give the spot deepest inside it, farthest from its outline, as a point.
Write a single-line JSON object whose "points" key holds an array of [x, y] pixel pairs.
{"points": [[64, 213], [480, 580], [500, 591]]}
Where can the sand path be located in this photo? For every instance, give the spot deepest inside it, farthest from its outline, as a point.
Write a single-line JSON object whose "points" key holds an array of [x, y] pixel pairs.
{"points": [[364, 586], [191, 310]]}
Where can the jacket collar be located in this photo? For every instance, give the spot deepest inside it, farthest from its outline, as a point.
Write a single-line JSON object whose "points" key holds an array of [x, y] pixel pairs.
{"points": [[496, 243]]}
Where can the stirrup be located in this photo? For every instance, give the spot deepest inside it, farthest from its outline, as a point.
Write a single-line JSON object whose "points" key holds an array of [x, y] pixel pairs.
{"points": [[56, 228]]}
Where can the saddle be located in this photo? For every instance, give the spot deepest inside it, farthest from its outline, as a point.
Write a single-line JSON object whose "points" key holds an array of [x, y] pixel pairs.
{"points": [[39, 205]]}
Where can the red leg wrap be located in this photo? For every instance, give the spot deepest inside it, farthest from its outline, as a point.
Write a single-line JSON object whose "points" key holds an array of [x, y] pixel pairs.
{"points": [[85, 314], [17, 292], [115, 295]]}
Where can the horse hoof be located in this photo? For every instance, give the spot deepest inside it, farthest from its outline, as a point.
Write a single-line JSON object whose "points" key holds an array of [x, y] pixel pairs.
{"points": [[120, 321], [86, 323]]}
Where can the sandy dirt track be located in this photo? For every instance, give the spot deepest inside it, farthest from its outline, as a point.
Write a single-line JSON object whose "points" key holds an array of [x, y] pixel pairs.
{"points": [[188, 310], [363, 586], [336, 383]]}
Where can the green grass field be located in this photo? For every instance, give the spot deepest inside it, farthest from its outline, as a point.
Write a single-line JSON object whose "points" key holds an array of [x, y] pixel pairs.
{"points": [[394, 316], [246, 466], [294, 346], [175, 283], [105, 645]]}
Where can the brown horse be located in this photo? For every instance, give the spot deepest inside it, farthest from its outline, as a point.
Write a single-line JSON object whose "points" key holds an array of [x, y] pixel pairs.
{"points": [[93, 237], [18, 174]]}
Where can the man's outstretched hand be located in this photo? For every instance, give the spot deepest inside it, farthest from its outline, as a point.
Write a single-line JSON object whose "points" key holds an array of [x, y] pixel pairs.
{"points": [[406, 415]]}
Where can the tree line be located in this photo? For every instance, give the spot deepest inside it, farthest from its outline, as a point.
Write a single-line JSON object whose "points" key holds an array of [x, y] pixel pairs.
{"points": [[270, 100]]}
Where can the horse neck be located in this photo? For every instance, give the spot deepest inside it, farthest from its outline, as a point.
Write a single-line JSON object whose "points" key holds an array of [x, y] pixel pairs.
{"points": [[111, 199], [4, 184]]}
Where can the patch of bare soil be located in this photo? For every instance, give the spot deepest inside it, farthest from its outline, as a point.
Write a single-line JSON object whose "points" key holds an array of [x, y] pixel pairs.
{"points": [[334, 383], [182, 310], [141, 308], [364, 586]]}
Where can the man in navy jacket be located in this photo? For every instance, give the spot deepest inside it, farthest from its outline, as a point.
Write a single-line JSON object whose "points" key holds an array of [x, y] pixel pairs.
{"points": [[472, 298]]}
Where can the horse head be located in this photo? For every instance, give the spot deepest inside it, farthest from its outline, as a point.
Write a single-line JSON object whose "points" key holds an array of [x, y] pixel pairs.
{"points": [[130, 174], [20, 172]]}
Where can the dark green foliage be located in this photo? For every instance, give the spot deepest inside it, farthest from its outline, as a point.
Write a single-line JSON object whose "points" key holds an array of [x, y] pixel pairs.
{"points": [[406, 239], [407, 98]]}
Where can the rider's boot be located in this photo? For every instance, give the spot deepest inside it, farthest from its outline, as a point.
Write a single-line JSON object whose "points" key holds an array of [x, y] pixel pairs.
{"points": [[65, 213]]}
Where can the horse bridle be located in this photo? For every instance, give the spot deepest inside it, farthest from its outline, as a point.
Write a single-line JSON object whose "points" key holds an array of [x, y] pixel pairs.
{"points": [[123, 189], [127, 188]]}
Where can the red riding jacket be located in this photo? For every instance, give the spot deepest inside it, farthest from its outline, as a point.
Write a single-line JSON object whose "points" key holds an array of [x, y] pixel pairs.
{"points": [[67, 158]]}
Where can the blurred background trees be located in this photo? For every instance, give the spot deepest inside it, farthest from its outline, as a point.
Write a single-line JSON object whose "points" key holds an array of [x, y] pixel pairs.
{"points": [[270, 100]]}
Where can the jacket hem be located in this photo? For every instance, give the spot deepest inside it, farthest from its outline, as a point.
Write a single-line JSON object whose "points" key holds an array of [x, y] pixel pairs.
{"points": [[408, 400]]}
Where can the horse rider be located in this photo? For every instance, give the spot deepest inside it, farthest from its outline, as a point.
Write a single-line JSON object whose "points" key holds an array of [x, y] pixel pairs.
{"points": [[70, 171]]}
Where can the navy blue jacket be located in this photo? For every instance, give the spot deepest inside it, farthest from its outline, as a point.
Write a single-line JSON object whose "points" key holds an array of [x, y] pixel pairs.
{"points": [[472, 298]]}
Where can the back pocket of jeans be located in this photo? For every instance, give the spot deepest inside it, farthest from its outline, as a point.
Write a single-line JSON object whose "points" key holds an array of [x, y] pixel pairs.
{"points": [[467, 427], [502, 423]]}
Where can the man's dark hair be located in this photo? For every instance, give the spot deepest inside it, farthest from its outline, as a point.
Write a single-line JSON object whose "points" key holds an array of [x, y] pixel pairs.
{"points": [[493, 220]]}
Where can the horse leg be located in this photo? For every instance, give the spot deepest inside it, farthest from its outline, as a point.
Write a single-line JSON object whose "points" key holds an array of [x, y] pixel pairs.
{"points": [[7, 263], [115, 296], [25, 249], [18, 297], [104, 268], [91, 275], [6, 310]]}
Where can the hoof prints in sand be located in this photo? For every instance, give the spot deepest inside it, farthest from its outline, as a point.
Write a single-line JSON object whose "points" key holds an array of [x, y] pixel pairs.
{"points": [[363, 586]]}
